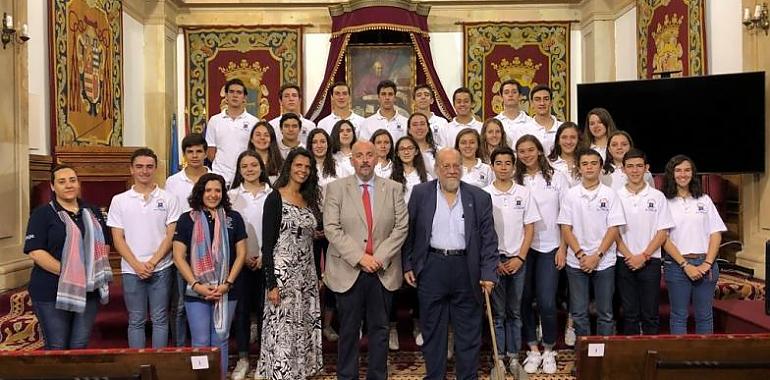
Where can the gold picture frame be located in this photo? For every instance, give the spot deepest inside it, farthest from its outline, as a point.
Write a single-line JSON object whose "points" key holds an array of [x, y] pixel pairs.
{"points": [[368, 65]]}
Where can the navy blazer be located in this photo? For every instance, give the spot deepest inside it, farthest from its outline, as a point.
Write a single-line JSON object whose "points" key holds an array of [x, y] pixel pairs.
{"points": [[480, 236]]}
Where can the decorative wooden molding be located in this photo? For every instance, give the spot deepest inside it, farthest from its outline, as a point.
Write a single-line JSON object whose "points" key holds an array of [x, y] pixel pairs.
{"points": [[97, 162], [40, 167]]}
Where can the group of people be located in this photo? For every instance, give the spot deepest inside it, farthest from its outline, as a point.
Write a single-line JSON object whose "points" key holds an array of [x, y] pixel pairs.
{"points": [[367, 215]]}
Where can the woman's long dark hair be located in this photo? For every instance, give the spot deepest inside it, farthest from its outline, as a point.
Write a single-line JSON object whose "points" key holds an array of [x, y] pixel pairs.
{"points": [[669, 183], [309, 189], [336, 145], [428, 136], [542, 162], [196, 196], [608, 163], [274, 158], [262, 171], [383, 132], [556, 152], [329, 164], [606, 119], [418, 163]]}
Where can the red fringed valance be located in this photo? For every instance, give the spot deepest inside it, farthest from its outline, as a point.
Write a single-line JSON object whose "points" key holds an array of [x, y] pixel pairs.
{"points": [[392, 18]]}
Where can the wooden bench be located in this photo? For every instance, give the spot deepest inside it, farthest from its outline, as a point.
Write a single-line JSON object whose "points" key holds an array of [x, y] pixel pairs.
{"points": [[113, 364], [701, 357]]}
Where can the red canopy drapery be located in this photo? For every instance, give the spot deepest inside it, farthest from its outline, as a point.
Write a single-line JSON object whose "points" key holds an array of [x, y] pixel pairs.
{"points": [[398, 16]]}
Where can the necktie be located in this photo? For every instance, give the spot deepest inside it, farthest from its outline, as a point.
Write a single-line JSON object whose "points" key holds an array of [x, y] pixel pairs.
{"points": [[369, 220]]}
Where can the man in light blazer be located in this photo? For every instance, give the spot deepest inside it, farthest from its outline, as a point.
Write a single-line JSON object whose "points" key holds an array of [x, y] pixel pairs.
{"points": [[451, 256], [363, 264]]}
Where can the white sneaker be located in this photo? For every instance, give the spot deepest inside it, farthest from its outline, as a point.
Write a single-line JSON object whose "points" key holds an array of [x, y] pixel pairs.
{"points": [[393, 339], [417, 335], [330, 334], [450, 349], [569, 336], [532, 362], [253, 333], [549, 362], [241, 368]]}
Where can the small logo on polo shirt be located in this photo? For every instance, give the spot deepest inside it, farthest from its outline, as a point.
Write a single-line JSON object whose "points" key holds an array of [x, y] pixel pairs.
{"points": [[701, 208], [245, 126], [160, 205], [518, 203], [229, 222], [29, 237], [603, 204], [651, 206]]}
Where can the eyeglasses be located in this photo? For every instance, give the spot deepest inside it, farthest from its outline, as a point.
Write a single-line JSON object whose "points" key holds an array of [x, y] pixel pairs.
{"points": [[406, 149]]}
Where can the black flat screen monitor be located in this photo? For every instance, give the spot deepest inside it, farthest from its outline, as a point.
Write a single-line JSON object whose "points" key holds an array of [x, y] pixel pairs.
{"points": [[717, 120]]}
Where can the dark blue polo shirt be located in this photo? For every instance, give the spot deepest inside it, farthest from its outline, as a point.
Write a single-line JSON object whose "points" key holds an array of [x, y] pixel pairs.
{"points": [[236, 231], [46, 231]]}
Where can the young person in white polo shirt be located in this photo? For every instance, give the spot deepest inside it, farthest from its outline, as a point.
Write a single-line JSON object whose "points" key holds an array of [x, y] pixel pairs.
{"points": [[180, 185], [598, 128], [340, 101], [590, 215], [563, 157], [290, 130], [475, 172], [423, 100], [547, 254], [638, 267], [342, 138], [247, 196], [515, 213], [227, 133], [386, 117], [618, 144], [383, 148], [290, 96], [544, 125], [419, 129], [515, 120], [143, 219], [462, 100], [693, 245]]}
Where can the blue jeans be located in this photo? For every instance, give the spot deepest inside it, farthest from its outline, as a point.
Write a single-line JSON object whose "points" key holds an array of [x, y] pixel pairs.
{"points": [[66, 330], [176, 311], [506, 310], [579, 298], [542, 280], [137, 294], [202, 331], [681, 290]]}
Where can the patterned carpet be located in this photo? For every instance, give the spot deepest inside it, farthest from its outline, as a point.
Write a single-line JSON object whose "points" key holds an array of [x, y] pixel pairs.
{"points": [[410, 366]]}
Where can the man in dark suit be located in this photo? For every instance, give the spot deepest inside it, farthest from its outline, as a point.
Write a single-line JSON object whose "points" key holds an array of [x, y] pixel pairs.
{"points": [[365, 221], [450, 255]]}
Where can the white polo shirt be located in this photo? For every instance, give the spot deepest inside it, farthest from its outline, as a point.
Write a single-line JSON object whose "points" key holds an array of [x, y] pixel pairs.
{"points": [[448, 134], [342, 171], [516, 127], [547, 138], [694, 221], [305, 127], [479, 175], [251, 207], [646, 214], [327, 123], [143, 223], [618, 180], [343, 161], [412, 180], [561, 165], [385, 170], [230, 137], [286, 149], [591, 213], [396, 126], [602, 151], [548, 198], [436, 123], [180, 185], [512, 209]]}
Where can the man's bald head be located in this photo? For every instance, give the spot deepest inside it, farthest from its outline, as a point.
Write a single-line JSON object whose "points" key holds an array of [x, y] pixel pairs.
{"points": [[363, 159], [449, 169]]}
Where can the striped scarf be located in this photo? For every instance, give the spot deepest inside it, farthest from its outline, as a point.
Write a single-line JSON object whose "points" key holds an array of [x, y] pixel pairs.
{"points": [[85, 266], [210, 259]]}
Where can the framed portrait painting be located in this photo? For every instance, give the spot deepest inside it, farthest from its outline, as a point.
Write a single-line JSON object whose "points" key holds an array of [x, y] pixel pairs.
{"points": [[368, 65]]}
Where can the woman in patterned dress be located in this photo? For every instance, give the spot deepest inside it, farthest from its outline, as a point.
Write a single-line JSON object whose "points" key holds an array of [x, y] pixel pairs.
{"points": [[291, 332]]}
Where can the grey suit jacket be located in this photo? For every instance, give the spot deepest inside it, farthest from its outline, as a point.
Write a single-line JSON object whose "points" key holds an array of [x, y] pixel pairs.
{"points": [[345, 228]]}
